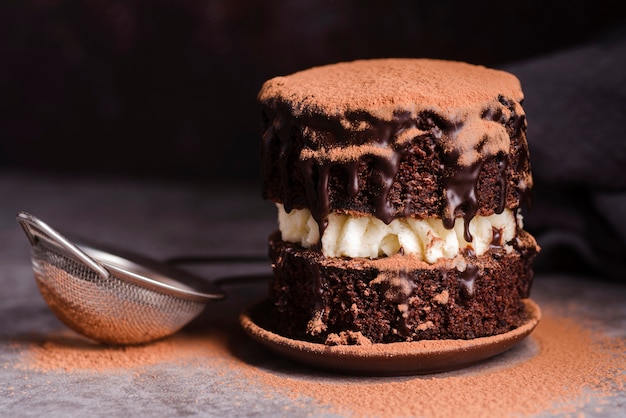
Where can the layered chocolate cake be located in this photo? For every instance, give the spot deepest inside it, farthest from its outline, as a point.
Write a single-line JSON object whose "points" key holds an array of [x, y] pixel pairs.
{"points": [[399, 185]]}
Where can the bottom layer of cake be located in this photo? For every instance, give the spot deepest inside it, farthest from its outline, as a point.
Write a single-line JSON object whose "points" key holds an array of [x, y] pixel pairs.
{"points": [[362, 301]]}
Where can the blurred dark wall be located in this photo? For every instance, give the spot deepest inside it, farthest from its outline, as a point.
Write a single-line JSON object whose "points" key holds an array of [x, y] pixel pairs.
{"points": [[168, 88]]}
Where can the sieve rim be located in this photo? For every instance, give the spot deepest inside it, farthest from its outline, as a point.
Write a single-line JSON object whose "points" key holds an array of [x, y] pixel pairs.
{"points": [[143, 272], [172, 283]]}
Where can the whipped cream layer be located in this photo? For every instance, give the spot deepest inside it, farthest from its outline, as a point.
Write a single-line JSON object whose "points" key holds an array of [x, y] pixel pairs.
{"points": [[369, 237]]}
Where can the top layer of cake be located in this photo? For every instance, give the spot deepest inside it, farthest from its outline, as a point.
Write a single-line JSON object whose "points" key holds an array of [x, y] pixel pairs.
{"points": [[384, 87], [396, 138]]}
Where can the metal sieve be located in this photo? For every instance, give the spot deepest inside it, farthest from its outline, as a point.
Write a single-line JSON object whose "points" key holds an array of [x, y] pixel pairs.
{"points": [[112, 298]]}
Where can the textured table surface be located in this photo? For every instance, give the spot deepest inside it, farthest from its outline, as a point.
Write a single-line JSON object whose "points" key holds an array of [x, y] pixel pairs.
{"points": [[211, 368]]}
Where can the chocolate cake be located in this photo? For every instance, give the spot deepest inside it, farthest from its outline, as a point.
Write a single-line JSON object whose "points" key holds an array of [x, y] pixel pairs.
{"points": [[399, 185]]}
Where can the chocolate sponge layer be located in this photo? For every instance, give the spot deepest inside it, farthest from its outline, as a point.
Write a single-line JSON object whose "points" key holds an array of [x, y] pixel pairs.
{"points": [[416, 180], [389, 300]]}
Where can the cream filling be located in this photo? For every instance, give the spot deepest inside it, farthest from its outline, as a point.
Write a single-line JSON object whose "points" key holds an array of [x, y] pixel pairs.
{"points": [[369, 237]]}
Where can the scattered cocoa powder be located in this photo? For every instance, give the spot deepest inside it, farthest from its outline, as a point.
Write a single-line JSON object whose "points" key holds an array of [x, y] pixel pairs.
{"points": [[67, 351], [571, 366]]}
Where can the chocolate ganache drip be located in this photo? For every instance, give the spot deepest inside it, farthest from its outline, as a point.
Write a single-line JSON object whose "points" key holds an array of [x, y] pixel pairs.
{"points": [[460, 189], [383, 156], [321, 147], [487, 143]]}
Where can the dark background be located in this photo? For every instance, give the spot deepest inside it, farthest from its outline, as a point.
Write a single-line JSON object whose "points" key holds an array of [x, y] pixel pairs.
{"points": [[168, 88]]}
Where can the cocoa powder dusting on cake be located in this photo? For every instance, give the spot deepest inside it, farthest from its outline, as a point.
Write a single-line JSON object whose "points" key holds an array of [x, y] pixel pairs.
{"points": [[392, 85], [569, 366]]}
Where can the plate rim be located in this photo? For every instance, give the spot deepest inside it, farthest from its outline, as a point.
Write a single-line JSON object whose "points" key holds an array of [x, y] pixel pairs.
{"points": [[398, 358]]}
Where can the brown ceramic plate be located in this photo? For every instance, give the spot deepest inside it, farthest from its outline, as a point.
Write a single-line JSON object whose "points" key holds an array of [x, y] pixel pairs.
{"points": [[404, 358]]}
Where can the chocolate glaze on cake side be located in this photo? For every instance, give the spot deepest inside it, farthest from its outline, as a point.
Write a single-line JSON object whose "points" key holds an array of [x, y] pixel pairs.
{"points": [[397, 138]]}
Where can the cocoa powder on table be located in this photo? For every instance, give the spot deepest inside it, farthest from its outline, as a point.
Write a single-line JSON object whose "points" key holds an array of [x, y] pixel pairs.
{"points": [[570, 366]]}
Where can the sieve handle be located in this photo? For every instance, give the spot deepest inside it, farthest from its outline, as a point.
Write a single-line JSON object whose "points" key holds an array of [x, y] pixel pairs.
{"points": [[35, 229]]}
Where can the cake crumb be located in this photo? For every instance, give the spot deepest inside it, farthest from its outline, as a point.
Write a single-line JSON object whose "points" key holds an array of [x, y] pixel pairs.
{"points": [[442, 298], [347, 338], [425, 325], [316, 326]]}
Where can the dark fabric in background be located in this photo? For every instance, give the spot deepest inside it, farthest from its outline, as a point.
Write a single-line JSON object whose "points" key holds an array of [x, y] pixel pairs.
{"points": [[576, 109], [166, 90]]}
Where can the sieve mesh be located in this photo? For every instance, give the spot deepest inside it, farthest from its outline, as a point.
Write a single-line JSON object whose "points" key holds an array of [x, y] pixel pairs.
{"points": [[110, 310]]}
